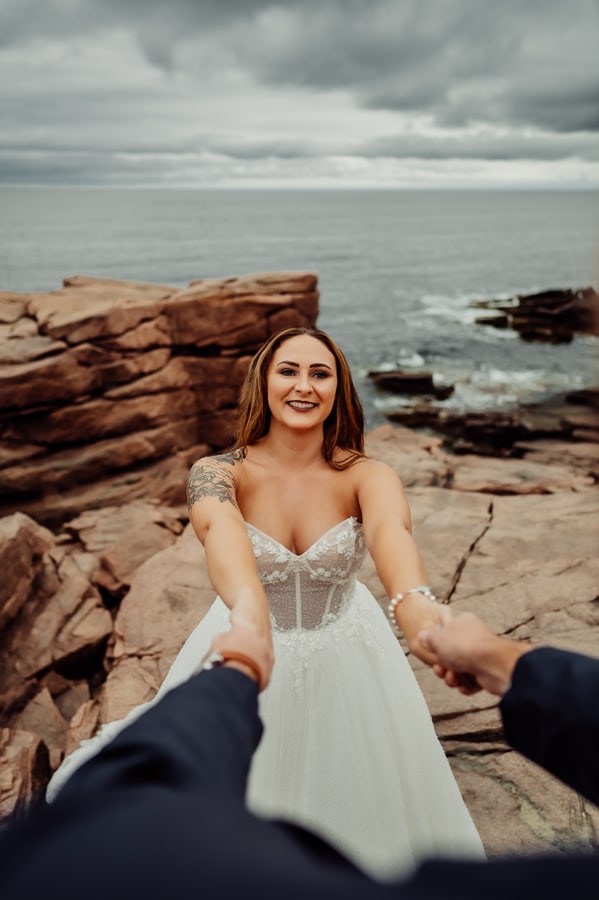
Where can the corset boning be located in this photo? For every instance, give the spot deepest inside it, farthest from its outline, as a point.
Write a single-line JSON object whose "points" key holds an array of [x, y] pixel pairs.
{"points": [[311, 590]]}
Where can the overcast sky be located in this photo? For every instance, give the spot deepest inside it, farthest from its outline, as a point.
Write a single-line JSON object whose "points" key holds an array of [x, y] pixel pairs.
{"points": [[301, 93]]}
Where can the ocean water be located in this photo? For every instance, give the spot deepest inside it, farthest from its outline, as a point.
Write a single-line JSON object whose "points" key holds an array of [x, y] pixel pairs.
{"points": [[397, 270]]}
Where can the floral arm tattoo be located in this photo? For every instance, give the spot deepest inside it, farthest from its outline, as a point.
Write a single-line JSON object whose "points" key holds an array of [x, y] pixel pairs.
{"points": [[210, 478]]}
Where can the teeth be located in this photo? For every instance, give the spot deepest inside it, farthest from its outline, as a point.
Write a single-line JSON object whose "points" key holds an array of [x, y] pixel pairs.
{"points": [[301, 405]]}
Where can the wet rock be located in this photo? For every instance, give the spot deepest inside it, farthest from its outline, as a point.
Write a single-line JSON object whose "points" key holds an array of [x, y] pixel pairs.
{"points": [[554, 315], [504, 433], [410, 383]]}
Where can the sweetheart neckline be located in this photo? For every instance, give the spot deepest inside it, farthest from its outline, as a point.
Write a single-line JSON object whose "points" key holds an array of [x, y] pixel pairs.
{"points": [[311, 547]]}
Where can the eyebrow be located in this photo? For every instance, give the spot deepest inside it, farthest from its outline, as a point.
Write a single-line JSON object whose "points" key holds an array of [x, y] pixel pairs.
{"points": [[320, 365]]}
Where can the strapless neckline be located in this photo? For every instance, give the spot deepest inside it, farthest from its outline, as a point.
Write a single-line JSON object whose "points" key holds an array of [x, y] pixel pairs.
{"points": [[312, 546]]}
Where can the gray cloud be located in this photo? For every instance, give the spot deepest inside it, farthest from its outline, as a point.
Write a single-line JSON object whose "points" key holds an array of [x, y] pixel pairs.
{"points": [[510, 62], [487, 146], [101, 90]]}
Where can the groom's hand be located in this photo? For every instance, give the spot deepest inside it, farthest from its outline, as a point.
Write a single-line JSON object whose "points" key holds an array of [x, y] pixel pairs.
{"points": [[243, 648], [471, 657]]}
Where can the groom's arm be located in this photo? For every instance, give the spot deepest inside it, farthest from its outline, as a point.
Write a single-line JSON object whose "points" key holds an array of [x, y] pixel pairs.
{"points": [[551, 715], [549, 706], [202, 733]]}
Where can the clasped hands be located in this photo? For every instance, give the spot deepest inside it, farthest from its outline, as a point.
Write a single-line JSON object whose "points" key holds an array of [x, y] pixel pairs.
{"points": [[453, 646], [468, 656]]}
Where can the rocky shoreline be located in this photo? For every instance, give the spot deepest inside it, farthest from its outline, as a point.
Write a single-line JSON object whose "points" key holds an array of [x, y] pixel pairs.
{"points": [[104, 579], [554, 317]]}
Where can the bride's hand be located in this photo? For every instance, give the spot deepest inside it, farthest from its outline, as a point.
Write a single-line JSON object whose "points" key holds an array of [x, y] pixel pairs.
{"points": [[248, 611], [426, 618]]}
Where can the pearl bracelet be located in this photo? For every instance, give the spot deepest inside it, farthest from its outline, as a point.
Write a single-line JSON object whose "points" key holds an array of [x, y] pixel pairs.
{"points": [[393, 603]]}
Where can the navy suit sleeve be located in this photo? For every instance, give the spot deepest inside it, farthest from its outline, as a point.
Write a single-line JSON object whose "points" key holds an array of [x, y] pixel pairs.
{"points": [[160, 813], [551, 715], [202, 733]]}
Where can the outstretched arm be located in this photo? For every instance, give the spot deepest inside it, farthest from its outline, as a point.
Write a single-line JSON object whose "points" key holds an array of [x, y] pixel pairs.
{"points": [[549, 696], [218, 523], [388, 533]]}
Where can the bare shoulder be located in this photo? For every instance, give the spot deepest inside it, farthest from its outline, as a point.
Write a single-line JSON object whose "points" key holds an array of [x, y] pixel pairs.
{"points": [[214, 476], [380, 493], [372, 471]]}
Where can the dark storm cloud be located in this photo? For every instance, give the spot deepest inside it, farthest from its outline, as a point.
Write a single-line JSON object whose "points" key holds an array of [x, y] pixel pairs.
{"points": [[407, 79], [507, 63]]}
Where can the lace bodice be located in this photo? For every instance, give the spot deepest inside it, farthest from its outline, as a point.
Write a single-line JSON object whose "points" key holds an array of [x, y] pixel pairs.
{"points": [[309, 590]]}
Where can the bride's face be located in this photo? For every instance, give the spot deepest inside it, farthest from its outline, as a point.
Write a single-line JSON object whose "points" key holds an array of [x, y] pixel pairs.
{"points": [[301, 382]]}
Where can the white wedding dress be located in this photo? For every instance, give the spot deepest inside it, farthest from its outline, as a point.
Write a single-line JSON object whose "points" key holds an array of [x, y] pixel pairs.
{"points": [[349, 749]]}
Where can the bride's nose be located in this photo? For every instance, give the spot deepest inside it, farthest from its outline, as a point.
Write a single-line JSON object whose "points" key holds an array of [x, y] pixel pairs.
{"points": [[302, 382]]}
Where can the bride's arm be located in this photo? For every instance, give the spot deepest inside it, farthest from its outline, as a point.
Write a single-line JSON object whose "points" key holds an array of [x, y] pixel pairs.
{"points": [[388, 534], [218, 523]]}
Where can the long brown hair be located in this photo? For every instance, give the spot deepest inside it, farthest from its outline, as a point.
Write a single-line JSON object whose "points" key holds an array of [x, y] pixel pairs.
{"points": [[343, 427]]}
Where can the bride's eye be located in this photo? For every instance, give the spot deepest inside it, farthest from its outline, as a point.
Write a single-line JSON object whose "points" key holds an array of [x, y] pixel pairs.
{"points": [[286, 371]]}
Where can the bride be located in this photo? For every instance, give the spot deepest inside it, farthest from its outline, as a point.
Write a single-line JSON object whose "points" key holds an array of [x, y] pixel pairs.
{"points": [[286, 519]]}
